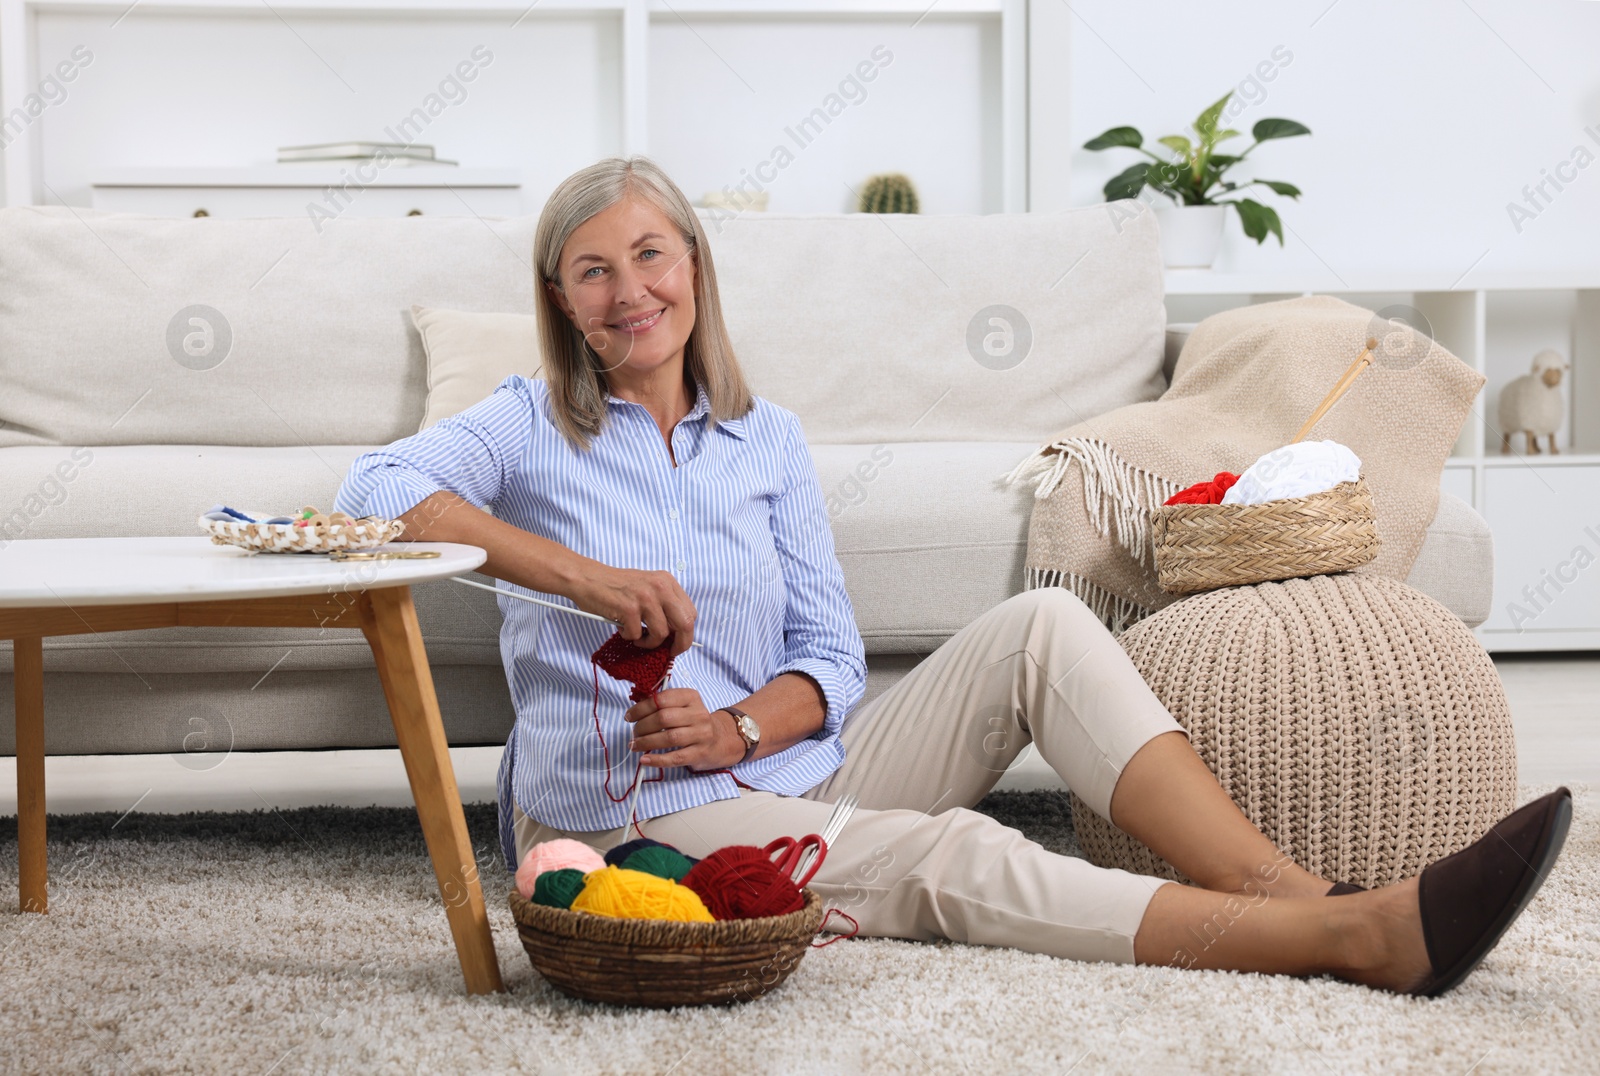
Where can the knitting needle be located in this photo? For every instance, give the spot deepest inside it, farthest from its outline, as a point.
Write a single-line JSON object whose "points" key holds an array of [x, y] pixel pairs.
{"points": [[1345, 381], [638, 776], [539, 601], [633, 800], [427, 554]]}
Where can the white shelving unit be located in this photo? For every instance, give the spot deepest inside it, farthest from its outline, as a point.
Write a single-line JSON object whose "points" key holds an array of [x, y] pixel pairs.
{"points": [[1544, 510], [656, 76], [287, 190]]}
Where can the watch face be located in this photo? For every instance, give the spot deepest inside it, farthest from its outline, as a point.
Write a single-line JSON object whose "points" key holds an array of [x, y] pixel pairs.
{"points": [[749, 729]]}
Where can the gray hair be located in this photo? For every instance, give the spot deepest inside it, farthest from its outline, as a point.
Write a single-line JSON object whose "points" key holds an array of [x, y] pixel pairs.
{"points": [[573, 370]]}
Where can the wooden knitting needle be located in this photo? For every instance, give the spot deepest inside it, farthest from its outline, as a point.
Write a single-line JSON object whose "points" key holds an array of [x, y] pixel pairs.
{"points": [[1347, 379], [540, 601]]}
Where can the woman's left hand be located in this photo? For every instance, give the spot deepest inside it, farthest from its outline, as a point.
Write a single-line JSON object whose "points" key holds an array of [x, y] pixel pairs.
{"points": [[677, 726]]}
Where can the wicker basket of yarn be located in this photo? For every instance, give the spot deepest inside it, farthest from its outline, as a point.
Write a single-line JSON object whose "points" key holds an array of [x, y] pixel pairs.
{"points": [[315, 533], [1204, 546], [1355, 720], [660, 964], [647, 925]]}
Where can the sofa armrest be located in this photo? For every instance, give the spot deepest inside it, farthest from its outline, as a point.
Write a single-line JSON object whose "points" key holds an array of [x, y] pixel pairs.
{"points": [[1177, 335], [1455, 565]]}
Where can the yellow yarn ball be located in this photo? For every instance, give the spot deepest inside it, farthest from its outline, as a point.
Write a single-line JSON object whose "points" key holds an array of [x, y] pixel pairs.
{"points": [[625, 894]]}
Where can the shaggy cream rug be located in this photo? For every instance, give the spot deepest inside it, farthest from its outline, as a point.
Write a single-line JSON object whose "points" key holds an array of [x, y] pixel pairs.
{"points": [[314, 941]]}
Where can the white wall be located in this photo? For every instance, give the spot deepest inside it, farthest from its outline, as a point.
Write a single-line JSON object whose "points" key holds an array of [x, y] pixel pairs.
{"points": [[725, 94], [1427, 120]]}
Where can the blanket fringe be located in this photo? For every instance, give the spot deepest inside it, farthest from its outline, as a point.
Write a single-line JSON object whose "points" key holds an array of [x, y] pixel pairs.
{"points": [[1115, 612], [1115, 493]]}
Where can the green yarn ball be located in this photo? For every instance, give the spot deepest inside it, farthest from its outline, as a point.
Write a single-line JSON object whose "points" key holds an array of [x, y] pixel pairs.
{"points": [[659, 861], [558, 889]]}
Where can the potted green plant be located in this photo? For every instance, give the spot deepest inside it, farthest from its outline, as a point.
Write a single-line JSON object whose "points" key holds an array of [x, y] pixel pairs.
{"points": [[1193, 177]]}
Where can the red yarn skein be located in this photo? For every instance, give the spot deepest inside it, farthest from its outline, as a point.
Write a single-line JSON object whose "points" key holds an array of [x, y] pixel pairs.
{"points": [[741, 882], [1205, 492]]}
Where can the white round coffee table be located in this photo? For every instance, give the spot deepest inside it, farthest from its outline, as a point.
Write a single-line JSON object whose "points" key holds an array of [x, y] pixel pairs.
{"points": [[71, 586]]}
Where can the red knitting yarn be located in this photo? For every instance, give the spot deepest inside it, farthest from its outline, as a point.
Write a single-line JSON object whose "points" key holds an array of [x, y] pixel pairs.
{"points": [[644, 669], [741, 882], [1205, 492]]}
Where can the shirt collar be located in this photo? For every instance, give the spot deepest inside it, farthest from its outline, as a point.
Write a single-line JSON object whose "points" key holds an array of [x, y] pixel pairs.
{"points": [[701, 408]]}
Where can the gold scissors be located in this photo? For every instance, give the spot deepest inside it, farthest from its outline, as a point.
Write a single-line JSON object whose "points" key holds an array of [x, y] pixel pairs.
{"points": [[425, 554]]}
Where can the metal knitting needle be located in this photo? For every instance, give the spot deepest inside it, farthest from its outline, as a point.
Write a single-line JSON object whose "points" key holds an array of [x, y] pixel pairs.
{"points": [[638, 776], [540, 601], [633, 799], [341, 554]]}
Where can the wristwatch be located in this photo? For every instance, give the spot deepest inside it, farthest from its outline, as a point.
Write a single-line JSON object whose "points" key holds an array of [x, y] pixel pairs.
{"points": [[749, 731]]}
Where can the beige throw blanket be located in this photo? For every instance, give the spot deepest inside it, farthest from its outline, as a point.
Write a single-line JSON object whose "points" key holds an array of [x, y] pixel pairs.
{"points": [[1246, 381]]}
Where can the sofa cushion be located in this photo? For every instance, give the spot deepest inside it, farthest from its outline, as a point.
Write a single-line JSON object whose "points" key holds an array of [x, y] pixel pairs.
{"points": [[269, 332], [912, 584], [943, 328], [926, 535], [469, 354], [305, 336], [137, 490], [198, 718]]}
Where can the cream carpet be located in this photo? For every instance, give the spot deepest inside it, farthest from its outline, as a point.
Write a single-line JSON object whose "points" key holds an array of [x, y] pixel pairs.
{"points": [[314, 941]]}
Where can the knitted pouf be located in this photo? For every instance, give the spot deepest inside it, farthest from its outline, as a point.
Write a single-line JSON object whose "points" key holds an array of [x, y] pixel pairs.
{"points": [[1355, 720]]}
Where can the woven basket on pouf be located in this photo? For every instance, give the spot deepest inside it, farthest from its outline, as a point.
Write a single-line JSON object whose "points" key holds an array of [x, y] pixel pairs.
{"points": [[1204, 546], [1354, 719]]}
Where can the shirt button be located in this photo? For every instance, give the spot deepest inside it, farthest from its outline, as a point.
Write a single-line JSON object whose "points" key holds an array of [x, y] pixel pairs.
{"points": [[672, 514], [682, 565]]}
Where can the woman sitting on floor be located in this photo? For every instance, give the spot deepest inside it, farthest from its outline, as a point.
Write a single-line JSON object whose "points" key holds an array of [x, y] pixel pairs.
{"points": [[641, 480]]}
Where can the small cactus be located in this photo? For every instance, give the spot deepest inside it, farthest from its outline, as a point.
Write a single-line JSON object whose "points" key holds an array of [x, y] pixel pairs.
{"points": [[889, 193]]}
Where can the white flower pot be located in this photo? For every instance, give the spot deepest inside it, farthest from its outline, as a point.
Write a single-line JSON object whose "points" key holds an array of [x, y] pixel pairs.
{"points": [[1190, 234]]}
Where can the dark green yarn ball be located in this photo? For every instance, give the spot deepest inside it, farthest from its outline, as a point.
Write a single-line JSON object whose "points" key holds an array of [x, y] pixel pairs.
{"points": [[558, 889], [660, 861]]}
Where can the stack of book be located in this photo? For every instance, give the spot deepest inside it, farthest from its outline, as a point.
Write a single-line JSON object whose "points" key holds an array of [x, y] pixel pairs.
{"points": [[398, 152]]}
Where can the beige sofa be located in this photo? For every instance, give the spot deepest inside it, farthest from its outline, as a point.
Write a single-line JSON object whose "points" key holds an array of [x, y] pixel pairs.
{"points": [[924, 355]]}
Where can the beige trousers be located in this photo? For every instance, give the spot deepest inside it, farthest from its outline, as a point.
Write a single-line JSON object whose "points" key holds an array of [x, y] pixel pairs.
{"points": [[915, 861]]}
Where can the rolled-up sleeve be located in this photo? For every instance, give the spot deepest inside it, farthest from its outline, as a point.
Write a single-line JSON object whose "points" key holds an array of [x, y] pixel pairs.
{"points": [[471, 454], [819, 626]]}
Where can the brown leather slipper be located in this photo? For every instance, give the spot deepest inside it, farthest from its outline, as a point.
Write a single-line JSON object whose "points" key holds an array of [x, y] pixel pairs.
{"points": [[1469, 899], [1341, 889]]}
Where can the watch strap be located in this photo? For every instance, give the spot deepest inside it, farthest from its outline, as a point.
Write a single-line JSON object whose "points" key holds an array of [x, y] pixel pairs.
{"points": [[749, 745]]}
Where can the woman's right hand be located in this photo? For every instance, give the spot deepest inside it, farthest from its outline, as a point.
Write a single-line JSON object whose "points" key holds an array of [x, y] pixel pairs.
{"points": [[654, 600]]}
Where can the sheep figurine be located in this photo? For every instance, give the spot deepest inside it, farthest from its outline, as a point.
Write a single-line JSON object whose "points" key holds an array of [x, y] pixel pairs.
{"points": [[1531, 404]]}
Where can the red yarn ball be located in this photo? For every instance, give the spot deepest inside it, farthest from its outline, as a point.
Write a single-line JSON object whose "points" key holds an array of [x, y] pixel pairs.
{"points": [[741, 882]]}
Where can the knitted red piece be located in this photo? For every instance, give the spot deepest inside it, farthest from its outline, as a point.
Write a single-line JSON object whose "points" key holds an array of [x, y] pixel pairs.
{"points": [[1204, 492], [741, 882], [644, 669]]}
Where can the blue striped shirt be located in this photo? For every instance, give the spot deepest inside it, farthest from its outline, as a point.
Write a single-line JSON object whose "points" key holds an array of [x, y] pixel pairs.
{"points": [[740, 522]]}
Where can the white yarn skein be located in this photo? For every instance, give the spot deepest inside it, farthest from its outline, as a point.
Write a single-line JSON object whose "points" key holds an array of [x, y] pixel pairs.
{"points": [[1295, 470]]}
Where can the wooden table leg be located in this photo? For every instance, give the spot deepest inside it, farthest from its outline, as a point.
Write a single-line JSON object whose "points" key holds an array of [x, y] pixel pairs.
{"points": [[389, 621], [32, 868]]}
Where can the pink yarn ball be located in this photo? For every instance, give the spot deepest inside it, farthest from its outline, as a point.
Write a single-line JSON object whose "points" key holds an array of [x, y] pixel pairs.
{"points": [[555, 855]]}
